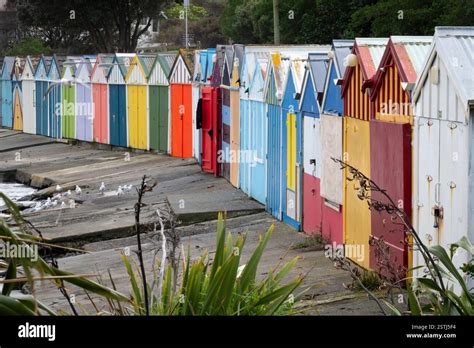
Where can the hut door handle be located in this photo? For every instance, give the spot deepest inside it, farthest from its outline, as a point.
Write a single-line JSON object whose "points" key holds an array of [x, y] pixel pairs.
{"points": [[210, 132]]}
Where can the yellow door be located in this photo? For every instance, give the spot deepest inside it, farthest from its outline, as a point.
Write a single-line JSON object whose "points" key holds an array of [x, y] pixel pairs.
{"points": [[142, 128], [132, 116], [17, 113], [291, 151], [357, 220]]}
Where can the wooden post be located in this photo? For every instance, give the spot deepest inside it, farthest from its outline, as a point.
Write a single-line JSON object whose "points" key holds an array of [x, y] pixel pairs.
{"points": [[276, 22]]}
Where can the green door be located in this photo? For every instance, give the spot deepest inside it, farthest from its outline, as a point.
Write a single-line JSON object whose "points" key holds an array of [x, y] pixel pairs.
{"points": [[163, 118], [158, 104], [153, 102], [68, 112]]}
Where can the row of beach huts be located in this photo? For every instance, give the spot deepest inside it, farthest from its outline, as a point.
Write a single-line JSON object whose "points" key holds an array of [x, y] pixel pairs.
{"points": [[271, 118]]}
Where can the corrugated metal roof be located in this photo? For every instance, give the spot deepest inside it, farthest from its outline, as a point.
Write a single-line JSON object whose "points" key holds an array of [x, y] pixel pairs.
{"points": [[147, 61], [455, 45], [31, 64], [341, 49], [298, 69], [8, 63], [197, 73], [371, 51], [166, 61], [412, 52], [239, 54], [318, 63], [124, 60]]}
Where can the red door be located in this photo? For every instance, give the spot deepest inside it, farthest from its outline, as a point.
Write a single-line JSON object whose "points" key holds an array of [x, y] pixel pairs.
{"points": [[181, 121], [101, 130], [390, 168], [211, 129]]}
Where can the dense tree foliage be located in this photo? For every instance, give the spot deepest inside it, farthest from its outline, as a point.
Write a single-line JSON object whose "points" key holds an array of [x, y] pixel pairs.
{"points": [[320, 21], [102, 25]]}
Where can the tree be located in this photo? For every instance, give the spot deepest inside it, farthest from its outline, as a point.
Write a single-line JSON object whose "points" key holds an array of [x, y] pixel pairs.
{"points": [[409, 17], [28, 46], [203, 23], [105, 25], [321, 21]]}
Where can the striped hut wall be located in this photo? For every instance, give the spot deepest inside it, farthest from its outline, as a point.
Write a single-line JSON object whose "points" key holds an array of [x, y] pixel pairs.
{"points": [[357, 103], [392, 103]]}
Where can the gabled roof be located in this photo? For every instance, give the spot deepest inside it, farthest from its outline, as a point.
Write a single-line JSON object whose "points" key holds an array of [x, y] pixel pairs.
{"points": [[238, 58], [147, 61], [166, 61], [197, 73], [160, 71], [102, 67], [56, 66], [369, 52], [137, 72], [318, 67], [70, 66], [8, 63], [123, 60], [30, 66], [258, 81], [42, 69], [182, 66], [84, 69], [341, 48], [408, 54], [297, 69], [455, 48], [228, 66]]}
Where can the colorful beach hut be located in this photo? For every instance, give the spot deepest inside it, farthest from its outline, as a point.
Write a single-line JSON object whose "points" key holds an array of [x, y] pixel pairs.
{"points": [[137, 101], [7, 91], [332, 109], [309, 106], [181, 105], [292, 144], [83, 102], [68, 96], [279, 67], [253, 126], [18, 67], [53, 96], [237, 63], [391, 150], [211, 137], [41, 96], [362, 65], [443, 100], [159, 102], [118, 132], [100, 97], [226, 76], [28, 90]]}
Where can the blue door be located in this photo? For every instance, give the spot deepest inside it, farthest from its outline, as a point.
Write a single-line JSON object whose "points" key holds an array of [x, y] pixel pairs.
{"points": [[54, 114], [7, 103], [274, 175], [41, 108], [117, 114], [258, 145]]}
